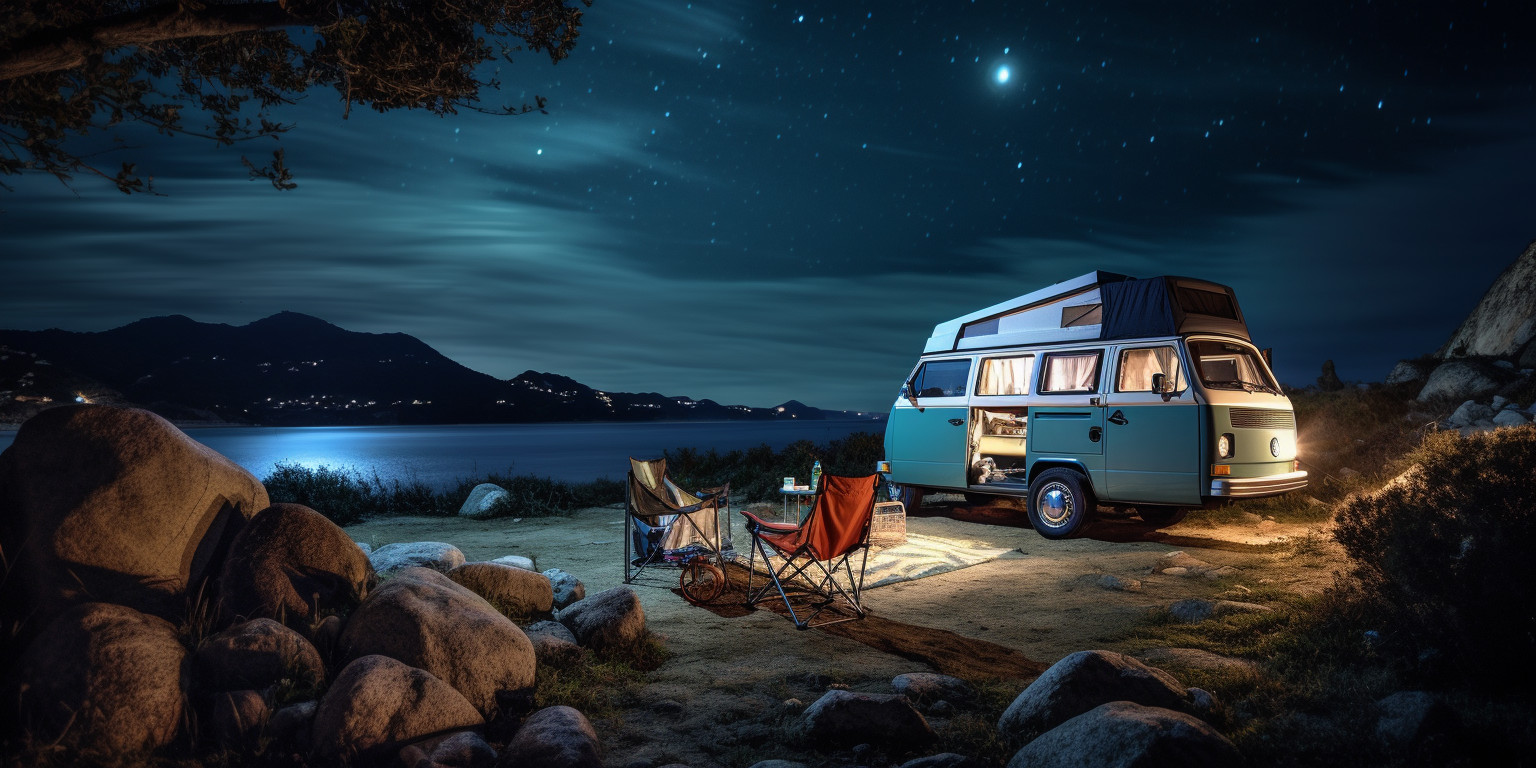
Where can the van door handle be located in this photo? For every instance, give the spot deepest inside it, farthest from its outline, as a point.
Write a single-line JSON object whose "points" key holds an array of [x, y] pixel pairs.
{"points": [[1118, 417], [957, 422]]}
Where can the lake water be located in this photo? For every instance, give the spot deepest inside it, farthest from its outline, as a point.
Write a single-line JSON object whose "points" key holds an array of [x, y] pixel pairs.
{"points": [[441, 455]]}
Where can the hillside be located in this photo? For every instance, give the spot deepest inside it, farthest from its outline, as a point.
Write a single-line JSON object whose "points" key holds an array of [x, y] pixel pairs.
{"points": [[294, 369]]}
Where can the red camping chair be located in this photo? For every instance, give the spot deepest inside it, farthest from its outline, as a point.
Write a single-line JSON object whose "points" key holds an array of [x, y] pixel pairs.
{"points": [[836, 528]]}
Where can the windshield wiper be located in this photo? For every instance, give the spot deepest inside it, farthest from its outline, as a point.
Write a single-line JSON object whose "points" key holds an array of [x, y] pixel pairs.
{"points": [[1243, 385]]}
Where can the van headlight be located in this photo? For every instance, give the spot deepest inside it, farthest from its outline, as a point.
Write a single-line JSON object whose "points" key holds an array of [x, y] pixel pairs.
{"points": [[1224, 446]]}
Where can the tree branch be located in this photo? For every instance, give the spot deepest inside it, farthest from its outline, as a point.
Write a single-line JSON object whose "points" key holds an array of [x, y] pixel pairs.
{"points": [[69, 48]]}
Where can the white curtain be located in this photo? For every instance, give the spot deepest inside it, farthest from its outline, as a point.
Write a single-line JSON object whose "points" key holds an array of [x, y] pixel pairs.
{"points": [[1071, 373], [1006, 375], [1138, 365]]}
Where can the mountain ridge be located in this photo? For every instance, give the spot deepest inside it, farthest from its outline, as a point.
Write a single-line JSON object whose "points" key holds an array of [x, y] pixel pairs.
{"points": [[294, 369]]}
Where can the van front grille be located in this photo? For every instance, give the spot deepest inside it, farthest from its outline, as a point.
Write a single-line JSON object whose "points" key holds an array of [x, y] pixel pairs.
{"points": [[1263, 418]]}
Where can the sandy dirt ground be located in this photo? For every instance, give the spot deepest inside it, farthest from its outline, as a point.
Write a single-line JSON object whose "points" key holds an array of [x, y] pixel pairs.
{"points": [[720, 699]]}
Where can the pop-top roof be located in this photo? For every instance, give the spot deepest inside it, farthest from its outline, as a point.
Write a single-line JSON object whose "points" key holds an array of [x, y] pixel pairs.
{"points": [[1097, 306]]}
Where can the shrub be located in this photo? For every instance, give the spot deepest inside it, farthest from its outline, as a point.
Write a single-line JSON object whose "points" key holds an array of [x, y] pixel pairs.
{"points": [[1447, 549], [756, 474]]}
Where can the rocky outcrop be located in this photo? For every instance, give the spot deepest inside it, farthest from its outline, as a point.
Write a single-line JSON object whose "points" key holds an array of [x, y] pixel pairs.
{"points": [[115, 505], [1123, 734], [377, 704], [845, 718], [483, 499], [436, 555], [1082, 681], [1462, 379], [515, 592], [255, 655], [609, 619], [554, 737], [1504, 322], [104, 678], [1407, 371], [291, 562], [423, 619]]}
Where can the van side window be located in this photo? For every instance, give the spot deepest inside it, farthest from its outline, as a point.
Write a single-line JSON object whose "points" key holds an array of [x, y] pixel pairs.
{"points": [[1074, 373], [1138, 365], [1006, 375], [941, 378]]}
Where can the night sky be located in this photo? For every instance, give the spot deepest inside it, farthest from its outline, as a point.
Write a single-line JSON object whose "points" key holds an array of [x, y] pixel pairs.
{"points": [[753, 202]]}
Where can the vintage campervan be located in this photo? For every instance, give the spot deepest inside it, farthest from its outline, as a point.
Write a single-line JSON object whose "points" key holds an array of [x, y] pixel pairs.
{"points": [[1100, 390]]}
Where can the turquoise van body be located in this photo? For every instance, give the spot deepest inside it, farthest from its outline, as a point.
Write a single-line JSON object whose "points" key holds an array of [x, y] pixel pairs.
{"points": [[1105, 389]]}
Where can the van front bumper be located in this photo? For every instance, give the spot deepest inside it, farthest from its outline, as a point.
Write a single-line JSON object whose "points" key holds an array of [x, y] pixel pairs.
{"points": [[1245, 487]]}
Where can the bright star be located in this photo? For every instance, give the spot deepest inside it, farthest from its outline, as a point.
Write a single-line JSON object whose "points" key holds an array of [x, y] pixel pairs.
{"points": [[1002, 75]]}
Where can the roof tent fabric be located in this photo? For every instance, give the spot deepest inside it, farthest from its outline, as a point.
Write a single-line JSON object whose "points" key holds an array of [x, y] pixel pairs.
{"points": [[1137, 309], [1169, 306]]}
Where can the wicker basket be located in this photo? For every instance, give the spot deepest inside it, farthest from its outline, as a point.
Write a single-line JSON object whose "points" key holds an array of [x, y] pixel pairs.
{"points": [[889, 526]]}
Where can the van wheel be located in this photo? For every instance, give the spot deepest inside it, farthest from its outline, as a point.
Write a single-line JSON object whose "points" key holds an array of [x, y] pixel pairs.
{"points": [[1059, 504], [910, 496], [1161, 517]]}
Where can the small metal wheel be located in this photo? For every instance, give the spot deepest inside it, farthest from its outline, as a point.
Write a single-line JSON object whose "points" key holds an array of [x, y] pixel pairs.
{"points": [[701, 581], [1059, 504]]}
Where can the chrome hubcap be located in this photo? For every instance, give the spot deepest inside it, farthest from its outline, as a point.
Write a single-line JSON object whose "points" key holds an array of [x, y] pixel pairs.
{"points": [[1054, 504]]}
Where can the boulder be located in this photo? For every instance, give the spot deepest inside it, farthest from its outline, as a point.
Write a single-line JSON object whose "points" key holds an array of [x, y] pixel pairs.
{"points": [[483, 499], [104, 678], [1510, 418], [290, 564], [517, 561], [514, 591], [1113, 582], [423, 619], [925, 688], [114, 505], [553, 643], [1467, 414], [255, 655], [1082, 681], [553, 737], [568, 589], [612, 618], [292, 728], [378, 704], [845, 718], [1499, 403], [239, 718], [366, 548], [1504, 320], [944, 760], [1123, 734], [416, 554], [1409, 717], [1406, 371], [465, 749], [1460, 380]]}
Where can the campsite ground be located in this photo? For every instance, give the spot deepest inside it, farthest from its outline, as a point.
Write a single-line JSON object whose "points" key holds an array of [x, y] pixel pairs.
{"points": [[720, 697]]}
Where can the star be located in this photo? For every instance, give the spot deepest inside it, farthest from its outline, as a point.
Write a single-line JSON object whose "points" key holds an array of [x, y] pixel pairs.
{"points": [[1002, 75]]}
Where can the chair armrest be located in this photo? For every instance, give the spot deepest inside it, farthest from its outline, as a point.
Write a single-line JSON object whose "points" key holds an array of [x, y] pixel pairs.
{"points": [[756, 522]]}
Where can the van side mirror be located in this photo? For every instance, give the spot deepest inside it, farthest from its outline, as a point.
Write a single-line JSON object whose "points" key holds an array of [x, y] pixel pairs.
{"points": [[1160, 384], [906, 391], [1268, 353]]}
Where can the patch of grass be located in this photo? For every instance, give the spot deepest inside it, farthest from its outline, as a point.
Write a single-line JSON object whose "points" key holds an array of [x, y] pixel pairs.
{"points": [[347, 496], [602, 683]]}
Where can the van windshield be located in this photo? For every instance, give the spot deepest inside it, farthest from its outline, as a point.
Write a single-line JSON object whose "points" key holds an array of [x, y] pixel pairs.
{"points": [[1225, 365]]}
